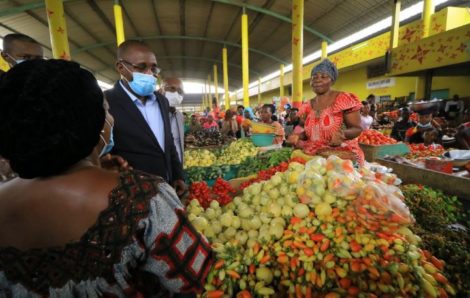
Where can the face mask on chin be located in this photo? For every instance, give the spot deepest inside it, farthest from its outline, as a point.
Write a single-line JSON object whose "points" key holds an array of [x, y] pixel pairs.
{"points": [[16, 61], [174, 98], [427, 125]]}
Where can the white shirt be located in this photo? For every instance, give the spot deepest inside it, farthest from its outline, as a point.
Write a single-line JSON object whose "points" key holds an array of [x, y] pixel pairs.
{"points": [[366, 121], [152, 115]]}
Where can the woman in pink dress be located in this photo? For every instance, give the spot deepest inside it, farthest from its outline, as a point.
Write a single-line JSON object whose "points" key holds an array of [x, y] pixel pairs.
{"points": [[332, 118]]}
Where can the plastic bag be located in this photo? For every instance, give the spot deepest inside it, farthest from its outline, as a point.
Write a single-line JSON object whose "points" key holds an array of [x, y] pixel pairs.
{"points": [[311, 186], [380, 207], [343, 179]]}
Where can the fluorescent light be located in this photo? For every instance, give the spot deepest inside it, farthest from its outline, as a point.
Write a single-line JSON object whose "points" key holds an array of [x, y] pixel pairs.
{"points": [[342, 43]]}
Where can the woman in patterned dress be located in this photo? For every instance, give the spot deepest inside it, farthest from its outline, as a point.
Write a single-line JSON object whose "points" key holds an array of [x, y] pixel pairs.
{"points": [[332, 118], [69, 228]]}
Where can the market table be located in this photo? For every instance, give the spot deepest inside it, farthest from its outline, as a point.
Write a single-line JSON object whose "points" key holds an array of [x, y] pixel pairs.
{"points": [[451, 184]]}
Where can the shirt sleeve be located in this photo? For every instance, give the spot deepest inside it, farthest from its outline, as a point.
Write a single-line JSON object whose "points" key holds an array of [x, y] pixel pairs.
{"points": [[176, 253], [347, 102]]}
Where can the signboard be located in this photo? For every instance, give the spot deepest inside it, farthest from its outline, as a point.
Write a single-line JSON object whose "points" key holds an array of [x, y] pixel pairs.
{"points": [[387, 82]]}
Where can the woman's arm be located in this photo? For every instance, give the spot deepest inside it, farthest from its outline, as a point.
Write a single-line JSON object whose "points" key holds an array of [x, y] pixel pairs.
{"points": [[353, 125]]}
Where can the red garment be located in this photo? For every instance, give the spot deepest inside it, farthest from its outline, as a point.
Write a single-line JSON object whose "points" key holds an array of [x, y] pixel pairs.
{"points": [[208, 125], [320, 130], [239, 119]]}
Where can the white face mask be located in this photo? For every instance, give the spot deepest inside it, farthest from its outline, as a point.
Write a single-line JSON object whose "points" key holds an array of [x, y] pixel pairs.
{"points": [[174, 98]]}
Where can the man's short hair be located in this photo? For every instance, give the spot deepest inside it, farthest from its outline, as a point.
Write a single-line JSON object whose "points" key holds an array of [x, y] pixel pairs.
{"points": [[10, 38], [127, 45]]}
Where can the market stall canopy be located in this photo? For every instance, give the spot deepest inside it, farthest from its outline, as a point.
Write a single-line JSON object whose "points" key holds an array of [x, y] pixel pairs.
{"points": [[188, 35]]}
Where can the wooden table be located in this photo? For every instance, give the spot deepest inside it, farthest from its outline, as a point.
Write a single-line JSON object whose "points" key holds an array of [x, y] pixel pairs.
{"points": [[450, 184]]}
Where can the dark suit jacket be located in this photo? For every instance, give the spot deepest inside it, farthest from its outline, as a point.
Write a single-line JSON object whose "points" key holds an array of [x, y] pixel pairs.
{"points": [[135, 141]]}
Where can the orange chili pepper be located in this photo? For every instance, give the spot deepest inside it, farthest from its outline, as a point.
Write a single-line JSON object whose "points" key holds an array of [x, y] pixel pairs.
{"points": [[233, 274], [219, 264]]}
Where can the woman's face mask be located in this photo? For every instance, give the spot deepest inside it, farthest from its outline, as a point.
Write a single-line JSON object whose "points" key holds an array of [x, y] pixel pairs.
{"points": [[108, 145]]}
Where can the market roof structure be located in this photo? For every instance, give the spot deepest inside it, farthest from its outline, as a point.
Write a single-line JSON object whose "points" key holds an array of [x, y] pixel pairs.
{"points": [[188, 35]]}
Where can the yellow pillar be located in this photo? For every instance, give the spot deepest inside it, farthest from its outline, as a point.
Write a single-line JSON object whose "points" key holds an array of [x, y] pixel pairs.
{"points": [[209, 91], [4, 65], [245, 73], [395, 24], [297, 50], [324, 49], [118, 22], [216, 85], [281, 81], [420, 87], [57, 29], [259, 91], [225, 73], [428, 10]]}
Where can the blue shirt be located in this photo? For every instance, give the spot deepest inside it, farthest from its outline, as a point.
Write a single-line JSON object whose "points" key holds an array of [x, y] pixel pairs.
{"points": [[151, 113]]}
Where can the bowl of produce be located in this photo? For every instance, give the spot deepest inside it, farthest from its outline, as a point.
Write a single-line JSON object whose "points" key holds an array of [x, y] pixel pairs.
{"points": [[424, 105], [262, 139], [261, 128]]}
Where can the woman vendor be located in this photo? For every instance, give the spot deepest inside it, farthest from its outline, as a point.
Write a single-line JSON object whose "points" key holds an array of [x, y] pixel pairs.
{"points": [[266, 114], [415, 135], [332, 118]]}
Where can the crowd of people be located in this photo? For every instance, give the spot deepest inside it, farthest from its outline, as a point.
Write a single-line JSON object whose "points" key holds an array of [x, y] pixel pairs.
{"points": [[93, 202]]}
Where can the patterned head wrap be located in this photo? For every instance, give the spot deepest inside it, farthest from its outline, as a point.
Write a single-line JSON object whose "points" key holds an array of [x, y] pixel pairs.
{"points": [[326, 66]]}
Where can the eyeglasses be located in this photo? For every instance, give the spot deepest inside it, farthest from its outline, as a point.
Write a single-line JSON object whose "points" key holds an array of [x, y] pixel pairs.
{"points": [[174, 89], [143, 67]]}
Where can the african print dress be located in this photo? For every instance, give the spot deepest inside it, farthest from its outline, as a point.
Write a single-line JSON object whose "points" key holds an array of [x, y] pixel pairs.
{"points": [[321, 126], [142, 245]]}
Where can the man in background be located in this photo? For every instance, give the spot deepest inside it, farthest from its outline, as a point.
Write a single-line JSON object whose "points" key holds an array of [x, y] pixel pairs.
{"points": [[173, 91], [18, 47]]}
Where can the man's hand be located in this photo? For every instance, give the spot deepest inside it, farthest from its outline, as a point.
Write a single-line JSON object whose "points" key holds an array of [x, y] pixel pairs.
{"points": [[114, 163], [180, 187]]}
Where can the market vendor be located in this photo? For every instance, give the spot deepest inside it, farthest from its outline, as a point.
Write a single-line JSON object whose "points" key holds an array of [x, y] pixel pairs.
{"points": [[249, 116], [415, 135], [332, 118], [402, 125], [266, 114], [210, 123], [194, 124]]}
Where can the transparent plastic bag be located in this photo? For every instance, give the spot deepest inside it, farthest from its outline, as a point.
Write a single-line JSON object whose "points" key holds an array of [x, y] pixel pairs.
{"points": [[311, 186], [380, 207]]}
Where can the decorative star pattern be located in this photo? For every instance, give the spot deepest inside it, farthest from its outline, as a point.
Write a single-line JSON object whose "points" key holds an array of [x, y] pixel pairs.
{"points": [[408, 34], [295, 41], [420, 54], [462, 47], [50, 12]]}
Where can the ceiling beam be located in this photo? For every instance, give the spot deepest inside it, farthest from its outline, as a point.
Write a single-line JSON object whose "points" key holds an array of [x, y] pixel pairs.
{"points": [[273, 14], [209, 17], [159, 26], [182, 5], [102, 16], [129, 19], [203, 59], [30, 6], [25, 7], [179, 37]]}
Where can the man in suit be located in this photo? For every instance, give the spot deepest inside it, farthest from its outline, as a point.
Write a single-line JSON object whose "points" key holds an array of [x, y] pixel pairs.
{"points": [[142, 131]]}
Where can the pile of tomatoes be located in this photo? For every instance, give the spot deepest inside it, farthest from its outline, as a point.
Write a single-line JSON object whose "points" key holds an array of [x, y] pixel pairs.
{"points": [[373, 137], [221, 192], [421, 150], [264, 175]]}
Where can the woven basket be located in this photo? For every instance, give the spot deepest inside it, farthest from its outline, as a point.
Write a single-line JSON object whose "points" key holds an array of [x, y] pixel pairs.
{"points": [[343, 154]]}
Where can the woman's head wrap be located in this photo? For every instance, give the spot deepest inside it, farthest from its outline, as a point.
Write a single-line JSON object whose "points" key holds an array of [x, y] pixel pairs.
{"points": [[326, 66]]}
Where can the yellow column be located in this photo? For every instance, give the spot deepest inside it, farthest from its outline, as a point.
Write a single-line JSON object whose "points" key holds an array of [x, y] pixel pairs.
{"points": [[245, 74], [118, 22], [420, 87], [4, 65], [225, 73], [395, 24], [297, 50], [428, 10], [281, 81], [216, 85], [259, 91], [324, 49], [209, 91], [57, 29]]}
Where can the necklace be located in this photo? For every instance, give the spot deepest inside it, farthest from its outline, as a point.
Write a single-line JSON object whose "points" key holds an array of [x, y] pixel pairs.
{"points": [[317, 111]]}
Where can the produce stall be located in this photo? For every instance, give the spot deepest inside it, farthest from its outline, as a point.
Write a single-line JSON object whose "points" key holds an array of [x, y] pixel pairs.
{"points": [[316, 227], [451, 184]]}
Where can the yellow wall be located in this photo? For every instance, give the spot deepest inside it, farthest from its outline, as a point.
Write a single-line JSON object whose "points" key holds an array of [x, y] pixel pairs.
{"points": [[355, 81], [456, 85], [266, 97]]}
